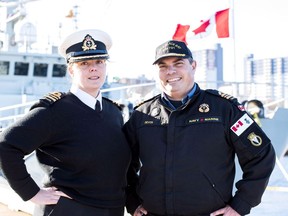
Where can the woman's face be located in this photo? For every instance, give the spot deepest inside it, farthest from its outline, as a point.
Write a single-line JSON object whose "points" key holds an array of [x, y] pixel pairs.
{"points": [[88, 75]]}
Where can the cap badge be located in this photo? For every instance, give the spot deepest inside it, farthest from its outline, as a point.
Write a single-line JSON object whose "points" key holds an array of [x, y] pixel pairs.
{"points": [[204, 108], [254, 139], [88, 43]]}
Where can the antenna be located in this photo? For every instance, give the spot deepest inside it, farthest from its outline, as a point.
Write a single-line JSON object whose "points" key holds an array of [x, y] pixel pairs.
{"points": [[15, 11], [75, 16]]}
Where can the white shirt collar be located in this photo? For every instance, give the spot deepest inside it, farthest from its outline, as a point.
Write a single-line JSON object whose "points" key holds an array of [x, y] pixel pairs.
{"points": [[85, 97]]}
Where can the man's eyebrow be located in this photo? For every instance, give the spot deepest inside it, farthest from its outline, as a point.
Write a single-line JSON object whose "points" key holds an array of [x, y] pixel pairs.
{"points": [[175, 61]]}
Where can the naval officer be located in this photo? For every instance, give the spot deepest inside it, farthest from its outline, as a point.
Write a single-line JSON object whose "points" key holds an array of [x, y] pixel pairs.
{"points": [[77, 137], [184, 143]]}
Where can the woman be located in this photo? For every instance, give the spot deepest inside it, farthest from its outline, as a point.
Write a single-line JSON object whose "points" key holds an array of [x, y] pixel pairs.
{"points": [[79, 145]]}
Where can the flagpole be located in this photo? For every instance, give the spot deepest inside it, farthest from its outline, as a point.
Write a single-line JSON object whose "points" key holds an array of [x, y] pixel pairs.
{"points": [[233, 38]]}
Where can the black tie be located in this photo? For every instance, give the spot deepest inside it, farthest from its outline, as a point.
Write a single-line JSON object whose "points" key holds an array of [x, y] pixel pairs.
{"points": [[97, 106]]}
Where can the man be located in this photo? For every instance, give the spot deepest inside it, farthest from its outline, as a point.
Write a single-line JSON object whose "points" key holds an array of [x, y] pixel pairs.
{"points": [[184, 143]]}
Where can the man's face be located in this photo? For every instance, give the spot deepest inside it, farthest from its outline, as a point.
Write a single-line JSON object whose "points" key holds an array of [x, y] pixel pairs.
{"points": [[176, 76]]}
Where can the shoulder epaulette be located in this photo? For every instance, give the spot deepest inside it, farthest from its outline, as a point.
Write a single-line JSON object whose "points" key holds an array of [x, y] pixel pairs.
{"points": [[228, 97], [120, 106], [49, 99], [145, 101], [52, 97], [223, 95]]}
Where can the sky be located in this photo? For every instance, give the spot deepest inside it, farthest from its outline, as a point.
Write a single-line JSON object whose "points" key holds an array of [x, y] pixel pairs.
{"points": [[138, 27]]}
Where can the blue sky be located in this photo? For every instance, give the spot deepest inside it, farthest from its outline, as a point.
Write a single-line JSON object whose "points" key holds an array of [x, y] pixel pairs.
{"points": [[137, 27]]}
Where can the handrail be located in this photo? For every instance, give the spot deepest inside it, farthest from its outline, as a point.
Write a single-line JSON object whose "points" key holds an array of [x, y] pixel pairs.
{"points": [[14, 117], [16, 106], [6, 120], [102, 90], [11, 117], [129, 86]]}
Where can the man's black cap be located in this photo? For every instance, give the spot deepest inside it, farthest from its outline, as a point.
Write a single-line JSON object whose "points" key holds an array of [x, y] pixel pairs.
{"points": [[172, 48]]}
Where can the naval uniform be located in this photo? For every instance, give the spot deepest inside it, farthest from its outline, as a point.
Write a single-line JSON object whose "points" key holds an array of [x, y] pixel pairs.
{"points": [[84, 153], [187, 155]]}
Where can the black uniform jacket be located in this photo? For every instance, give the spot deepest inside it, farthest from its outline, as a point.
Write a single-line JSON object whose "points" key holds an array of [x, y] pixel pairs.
{"points": [[187, 156], [84, 153]]}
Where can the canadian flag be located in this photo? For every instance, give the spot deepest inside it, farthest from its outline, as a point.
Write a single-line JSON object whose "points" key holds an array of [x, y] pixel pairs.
{"points": [[220, 19], [241, 124], [237, 125], [180, 33]]}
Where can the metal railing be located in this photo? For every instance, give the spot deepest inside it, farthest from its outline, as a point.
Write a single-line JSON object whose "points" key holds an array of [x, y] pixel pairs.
{"points": [[139, 92], [10, 114]]}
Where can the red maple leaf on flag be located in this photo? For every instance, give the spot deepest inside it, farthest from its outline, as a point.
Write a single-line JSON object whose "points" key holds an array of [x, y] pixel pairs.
{"points": [[220, 19], [202, 28]]}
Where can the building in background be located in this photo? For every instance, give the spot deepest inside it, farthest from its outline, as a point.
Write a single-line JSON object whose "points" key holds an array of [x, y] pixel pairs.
{"points": [[268, 78]]}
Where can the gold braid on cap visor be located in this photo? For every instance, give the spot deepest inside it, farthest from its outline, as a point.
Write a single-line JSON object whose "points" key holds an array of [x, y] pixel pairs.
{"points": [[174, 54], [79, 58]]}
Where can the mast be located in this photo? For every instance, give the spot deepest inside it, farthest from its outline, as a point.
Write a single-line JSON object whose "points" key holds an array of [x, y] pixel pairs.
{"points": [[232, 27]]}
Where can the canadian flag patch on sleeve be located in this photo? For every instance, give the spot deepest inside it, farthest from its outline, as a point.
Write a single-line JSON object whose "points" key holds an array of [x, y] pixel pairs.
{"points": [[242, 124]]}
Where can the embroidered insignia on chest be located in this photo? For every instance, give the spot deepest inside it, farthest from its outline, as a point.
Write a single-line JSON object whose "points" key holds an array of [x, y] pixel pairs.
{"points": [[255, 139], [204, 120], [148, 122], [204, 108], [88, 43]]}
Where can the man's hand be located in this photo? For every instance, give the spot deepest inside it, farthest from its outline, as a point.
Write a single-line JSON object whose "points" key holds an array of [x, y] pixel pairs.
{"points": [[227, 211], [48, 196]]}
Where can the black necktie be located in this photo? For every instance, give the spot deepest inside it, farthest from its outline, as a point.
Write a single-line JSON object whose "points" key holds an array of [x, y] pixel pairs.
{"points": [[97, 106]]}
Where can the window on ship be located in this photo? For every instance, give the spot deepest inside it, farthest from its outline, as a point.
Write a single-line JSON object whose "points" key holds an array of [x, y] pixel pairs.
{"points": [[4, 68], [40, 69], [21, 68], [59, 70]]}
